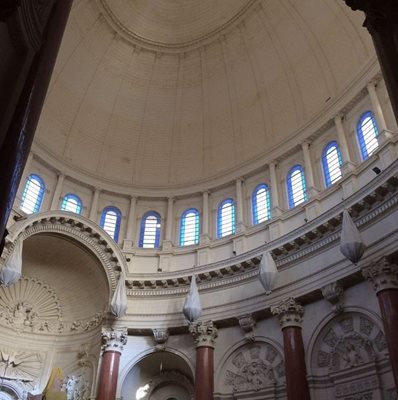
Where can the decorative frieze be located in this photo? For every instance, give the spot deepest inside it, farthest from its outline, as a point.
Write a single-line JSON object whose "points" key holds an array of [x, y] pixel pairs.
{"points": [[113, 339], [289, 313], [334, 294], [204, 332], [383, 274]]}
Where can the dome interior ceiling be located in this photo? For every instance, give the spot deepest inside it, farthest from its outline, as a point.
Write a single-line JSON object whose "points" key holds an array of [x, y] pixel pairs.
{"points": [[145, 110]]}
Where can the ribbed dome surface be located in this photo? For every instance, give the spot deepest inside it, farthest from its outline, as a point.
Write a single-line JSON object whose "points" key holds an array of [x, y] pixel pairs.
{"points": [[167, 93]]}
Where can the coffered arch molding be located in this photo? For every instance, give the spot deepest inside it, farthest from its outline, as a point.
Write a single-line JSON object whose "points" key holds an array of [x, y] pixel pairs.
{"points": [[241, 343], [361, 311], [82, 230]]}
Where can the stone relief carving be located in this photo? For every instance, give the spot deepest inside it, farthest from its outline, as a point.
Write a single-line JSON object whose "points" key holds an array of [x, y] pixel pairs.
{"points": [[254, 367], [362, 389], [76, 387], [350, 341], [30, 306], [20, 365]]}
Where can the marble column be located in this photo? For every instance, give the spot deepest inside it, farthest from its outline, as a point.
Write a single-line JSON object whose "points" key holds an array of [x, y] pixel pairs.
{"points": [[382, 24], [128, 242], [113, 341], [290, 315], [348, 165], [94, 206], [15, 147], [57, 192], [204, 237], [378, 111], [205, 334], [309, 173], [240, 224], [276, 208], [384, 276]]}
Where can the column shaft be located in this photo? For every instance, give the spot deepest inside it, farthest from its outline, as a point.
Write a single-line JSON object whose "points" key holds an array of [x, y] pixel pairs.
{"points": [[204, 382], [107, 383], [94, 205], [388, 301], [345, 151], [309, 173], [274, 190], [239, 206], [131, 220], [18, 140], [169, 221], [57, 192], [381, 122], [296, 373]]}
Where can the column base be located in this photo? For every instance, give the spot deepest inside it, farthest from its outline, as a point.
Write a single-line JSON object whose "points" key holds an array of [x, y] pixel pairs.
{"points": [[240, 227], [312, 192], [167, 245], [276, 212], [347, 168], [127, 244], [204, 239]]}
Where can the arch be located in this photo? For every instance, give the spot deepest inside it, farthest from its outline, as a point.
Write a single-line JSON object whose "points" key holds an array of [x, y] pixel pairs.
{"points": [[72, 203], [261, 204], [79, 228], [110, 222], [331, 161], [189, 227], [367, 134], [33, 194], [296, 186], [226, 218], [150, 230], [271, 353], [328, 321]]}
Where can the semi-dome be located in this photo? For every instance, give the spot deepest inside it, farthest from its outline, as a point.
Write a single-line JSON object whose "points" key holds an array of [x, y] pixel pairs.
{"points": [[169, 94]]}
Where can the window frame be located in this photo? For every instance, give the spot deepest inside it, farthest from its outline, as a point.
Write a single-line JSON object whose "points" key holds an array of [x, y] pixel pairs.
{"points": [[104, 213], [182, 239], [290, 193], [326, 166], [255, 203], [75, 197], [157, 231], [363, 149], [40, 195], [220, 234]]}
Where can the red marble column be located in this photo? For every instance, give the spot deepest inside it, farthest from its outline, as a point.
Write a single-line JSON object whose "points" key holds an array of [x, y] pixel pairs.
{"points": [[204, 334], [14, 149], [290, 316], [113, 341], [384, 276]]}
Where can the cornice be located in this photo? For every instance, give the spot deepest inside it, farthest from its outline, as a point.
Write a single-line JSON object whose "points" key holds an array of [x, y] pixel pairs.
{"points": [[163, 47], [372, 201]]}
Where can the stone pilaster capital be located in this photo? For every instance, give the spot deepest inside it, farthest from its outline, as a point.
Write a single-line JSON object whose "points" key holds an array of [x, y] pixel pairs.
{"points": [[383, 274], [204, 333], [161, 336], [113, 339], [339, 117], [289, 313]]}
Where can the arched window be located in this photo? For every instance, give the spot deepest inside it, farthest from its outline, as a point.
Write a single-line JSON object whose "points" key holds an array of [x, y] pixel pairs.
{"points": [[71, 203], [296, 186], [189, 227], [110, 222], [33, 194], [367, 134], [331, 160], [150, 230], [226, 218], [261, 204]]}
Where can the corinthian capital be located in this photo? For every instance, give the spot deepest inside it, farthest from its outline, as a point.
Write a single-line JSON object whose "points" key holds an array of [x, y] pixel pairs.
{"points": [[204, 333], [289, 312], [114, 339], [383, 274]]}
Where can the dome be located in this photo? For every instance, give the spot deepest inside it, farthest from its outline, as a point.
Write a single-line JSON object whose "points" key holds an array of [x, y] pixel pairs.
{"points": [[175, 94]]}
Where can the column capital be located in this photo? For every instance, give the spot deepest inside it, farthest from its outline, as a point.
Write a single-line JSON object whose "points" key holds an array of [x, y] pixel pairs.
{"points": [[113, 339], [383, 274], [289, 313], [340, 116], [204, 333]]}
